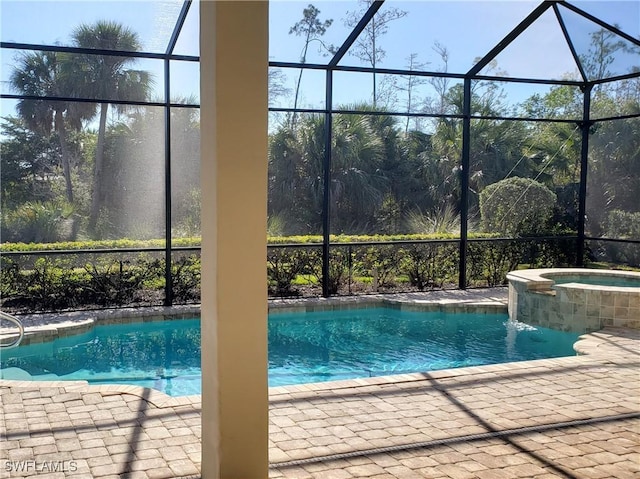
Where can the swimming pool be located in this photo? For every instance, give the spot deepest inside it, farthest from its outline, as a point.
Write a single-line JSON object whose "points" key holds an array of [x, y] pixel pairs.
{"points": [[303, 348]]}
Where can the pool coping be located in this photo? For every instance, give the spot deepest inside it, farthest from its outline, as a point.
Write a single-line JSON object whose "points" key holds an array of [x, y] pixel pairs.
{"points": [[542, 279], [489, 301], [41, 327]]}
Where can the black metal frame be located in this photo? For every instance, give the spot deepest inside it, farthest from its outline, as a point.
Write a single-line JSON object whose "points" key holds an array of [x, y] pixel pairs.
{"points": [[585, 123], [166, 57]]}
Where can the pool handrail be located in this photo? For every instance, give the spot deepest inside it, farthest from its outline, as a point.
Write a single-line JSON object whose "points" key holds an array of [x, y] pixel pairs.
{"points": [[18, 323]]}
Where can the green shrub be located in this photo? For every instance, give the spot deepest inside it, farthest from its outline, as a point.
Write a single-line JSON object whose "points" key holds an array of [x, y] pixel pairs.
{"points": [[276, 225], [186, 278], [187, 216], [623, 225], [338, 268], [284, 265], [9, 278], [516, 206], [196, 241], [380, 263], [443, 221], [97, 244], [58, 282], [52, 283], [36, 222], [491, 261], [429, 265], [552, 254], [119, 282]]}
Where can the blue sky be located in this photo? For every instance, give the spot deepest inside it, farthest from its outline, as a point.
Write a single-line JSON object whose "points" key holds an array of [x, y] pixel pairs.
{"points": [[468, 29], [51, 22]]}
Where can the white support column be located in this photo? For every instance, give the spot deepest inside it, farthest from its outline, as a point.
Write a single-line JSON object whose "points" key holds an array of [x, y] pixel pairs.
{"points": [[233, 74]]}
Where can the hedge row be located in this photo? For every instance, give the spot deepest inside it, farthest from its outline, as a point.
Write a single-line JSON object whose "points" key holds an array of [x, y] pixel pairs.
{"points": [[196, 242], [74, 282], [410, 267], [97, 245], [84, 280]]}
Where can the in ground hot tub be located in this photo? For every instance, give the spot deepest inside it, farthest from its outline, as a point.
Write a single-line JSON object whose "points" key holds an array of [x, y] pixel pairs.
{"points": [[575, 299]]}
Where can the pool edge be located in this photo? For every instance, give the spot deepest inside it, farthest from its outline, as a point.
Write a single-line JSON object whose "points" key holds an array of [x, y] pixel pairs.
{"points": [[597, 343], [49, 326]]}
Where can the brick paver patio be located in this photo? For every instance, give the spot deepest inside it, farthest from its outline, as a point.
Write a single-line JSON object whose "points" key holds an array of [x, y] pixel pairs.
{"points": [[576, 417], [573, 417]]}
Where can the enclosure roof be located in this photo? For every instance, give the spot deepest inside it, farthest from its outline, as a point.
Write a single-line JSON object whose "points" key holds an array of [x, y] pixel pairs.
{"points": [[166, 26], [553, 39]]}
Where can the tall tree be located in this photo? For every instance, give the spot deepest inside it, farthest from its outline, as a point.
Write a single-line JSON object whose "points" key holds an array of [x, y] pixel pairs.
{"points": [[134, 201], [408, 86], [277, 86], [295, 175], [108, 77], [29, 158], [358, 180], [441, 85], [311, 28], [605, 45], [44, 74], [367, 46]]}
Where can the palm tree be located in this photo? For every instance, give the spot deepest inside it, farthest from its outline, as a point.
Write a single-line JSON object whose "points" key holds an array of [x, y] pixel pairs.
{"points": [[108, 77], [42, 74], [295, 174], [358, 181]]}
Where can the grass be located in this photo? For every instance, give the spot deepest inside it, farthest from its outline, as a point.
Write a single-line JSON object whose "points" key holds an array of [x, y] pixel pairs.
{"points": [[305, 280]]}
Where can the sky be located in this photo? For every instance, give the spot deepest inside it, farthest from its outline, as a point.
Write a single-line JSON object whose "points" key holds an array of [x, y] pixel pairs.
{"points": [[467, 29]]}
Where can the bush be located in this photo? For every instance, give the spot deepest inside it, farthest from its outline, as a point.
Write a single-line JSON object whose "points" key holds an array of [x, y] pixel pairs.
{"points": [[186, 278], [516, 206], [119, 282], [338, 268], [9, 278], [430, 265], [552, 253], [491, 261], [36, 222], [52, 283], [283, 267], [623, 225], [82, 280], [379, 262], [444, 220]]}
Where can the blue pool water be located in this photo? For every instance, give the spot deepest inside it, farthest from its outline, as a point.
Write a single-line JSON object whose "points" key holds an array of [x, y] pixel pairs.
{"points": [[303, 348], [597, 280]]}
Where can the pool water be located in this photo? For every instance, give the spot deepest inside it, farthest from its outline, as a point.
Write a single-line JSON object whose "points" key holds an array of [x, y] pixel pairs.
{"points": [[303, 348], [597, 280]]}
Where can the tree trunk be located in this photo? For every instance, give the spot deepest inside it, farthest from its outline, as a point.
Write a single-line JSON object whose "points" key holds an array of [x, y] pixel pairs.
{"points": [[409, 85], [295, 101], [64, 149], [96, 198], [373, 60]]}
